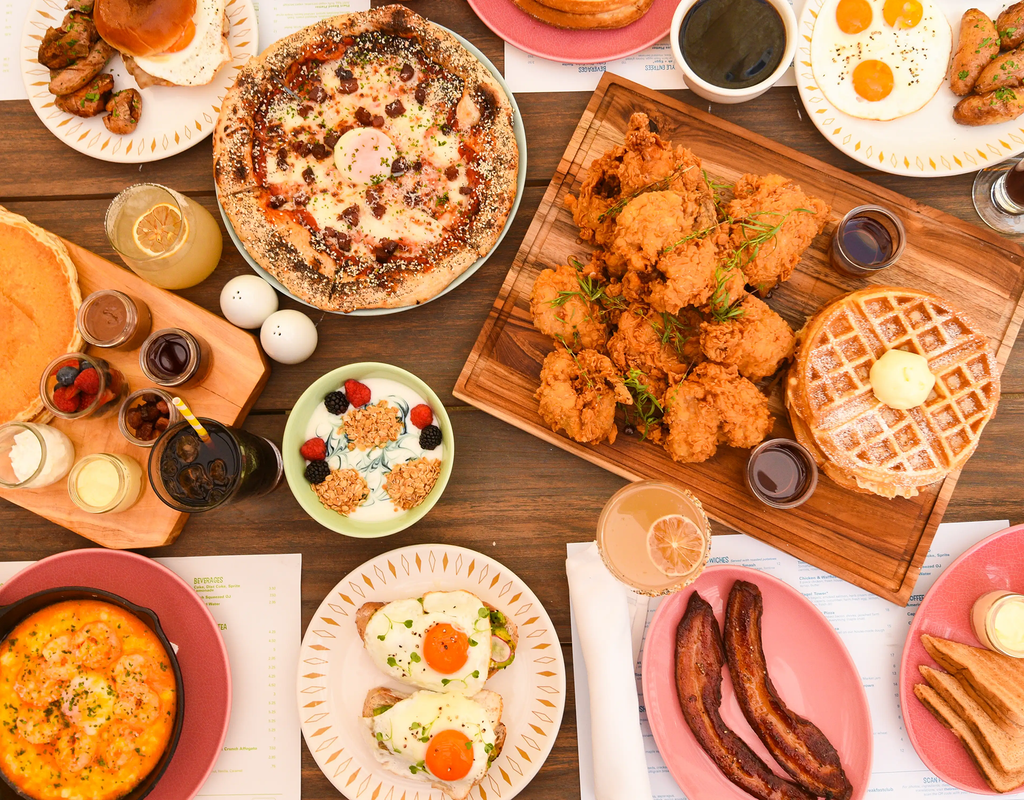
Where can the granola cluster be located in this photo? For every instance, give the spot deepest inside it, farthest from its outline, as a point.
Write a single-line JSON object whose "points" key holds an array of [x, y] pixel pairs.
{"points": [[408, 484], [372, 426], [343, 490]]}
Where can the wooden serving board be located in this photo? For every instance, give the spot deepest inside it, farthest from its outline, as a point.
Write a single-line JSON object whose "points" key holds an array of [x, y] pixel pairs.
{"points": [[236, 378], [875, 543]]}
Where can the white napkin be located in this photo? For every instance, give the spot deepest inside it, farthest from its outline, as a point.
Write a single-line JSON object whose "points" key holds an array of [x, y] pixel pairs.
{"points": [[602, 622]]}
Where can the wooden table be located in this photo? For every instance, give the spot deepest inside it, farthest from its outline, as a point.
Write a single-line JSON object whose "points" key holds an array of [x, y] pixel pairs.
{"points": [[511, 496]]}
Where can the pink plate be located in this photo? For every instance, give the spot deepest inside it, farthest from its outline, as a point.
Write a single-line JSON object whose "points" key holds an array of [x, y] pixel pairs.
{"points": [[993, 563], [187, 623], [577, 47], [807, 662]]}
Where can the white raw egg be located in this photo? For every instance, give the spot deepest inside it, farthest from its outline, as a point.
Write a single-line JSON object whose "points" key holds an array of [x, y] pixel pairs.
{"points": [[364, 154], [247, 301], [288, 337]]}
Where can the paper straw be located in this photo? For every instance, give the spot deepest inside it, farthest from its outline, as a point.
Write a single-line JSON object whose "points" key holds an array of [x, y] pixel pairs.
{"points": [[186, 412]]}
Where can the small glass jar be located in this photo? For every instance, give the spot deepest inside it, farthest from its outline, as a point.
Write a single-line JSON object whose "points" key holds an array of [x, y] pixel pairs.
{"points": [[781, 473], [868, 239], [110, 318], [176, 358], [33, 455], [63, 395], [141, 401], [105, 483], [997, 618]]}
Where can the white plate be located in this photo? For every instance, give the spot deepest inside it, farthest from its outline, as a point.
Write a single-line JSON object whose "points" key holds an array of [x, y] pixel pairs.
{"points": [[335, 673], [174, 118], [927, 143]]}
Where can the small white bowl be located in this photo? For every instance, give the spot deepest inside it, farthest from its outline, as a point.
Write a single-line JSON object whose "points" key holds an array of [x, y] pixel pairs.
{"points": [[718, 94]]}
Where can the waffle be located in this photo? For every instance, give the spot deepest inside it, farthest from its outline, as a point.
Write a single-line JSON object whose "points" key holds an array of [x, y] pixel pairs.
{"points": [[862, 443]]}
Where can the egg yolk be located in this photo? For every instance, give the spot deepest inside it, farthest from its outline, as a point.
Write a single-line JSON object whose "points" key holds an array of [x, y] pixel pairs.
{"points": [[449, 755], [445, 648], [873, 80], [903, 13], [853, 16]]}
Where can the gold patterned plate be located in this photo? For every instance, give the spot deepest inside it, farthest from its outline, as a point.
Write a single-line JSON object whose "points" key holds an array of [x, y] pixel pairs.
{"points": [[335, 673], [925, 144], [174, 118]]}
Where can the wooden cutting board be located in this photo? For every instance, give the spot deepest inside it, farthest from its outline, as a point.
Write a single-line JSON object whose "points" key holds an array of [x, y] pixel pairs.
{"points": [[875, 543], [238, 375]]}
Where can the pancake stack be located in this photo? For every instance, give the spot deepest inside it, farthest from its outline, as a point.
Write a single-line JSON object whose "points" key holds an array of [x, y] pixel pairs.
{"points": [[863, 444], [586, 14], [39, 300]]}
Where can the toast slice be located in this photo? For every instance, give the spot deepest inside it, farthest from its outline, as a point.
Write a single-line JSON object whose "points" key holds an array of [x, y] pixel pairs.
{"points": [[999, 780], [1006, 751], [501, 627], [381, 699], [994, 681]]}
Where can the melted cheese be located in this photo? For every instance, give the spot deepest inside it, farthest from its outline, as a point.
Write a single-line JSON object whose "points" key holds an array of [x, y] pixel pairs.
{"points": [[87, 702]]}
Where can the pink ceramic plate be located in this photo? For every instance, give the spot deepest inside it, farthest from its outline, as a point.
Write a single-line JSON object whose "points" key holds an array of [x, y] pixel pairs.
{"points": [[577, 47], [807, 662], [993, 563], [187, 623]]}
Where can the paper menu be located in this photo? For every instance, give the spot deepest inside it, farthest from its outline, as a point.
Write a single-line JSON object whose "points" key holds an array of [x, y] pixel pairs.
{"points": [[874, 631], [12, 20], [256, 602], [277, 18]]}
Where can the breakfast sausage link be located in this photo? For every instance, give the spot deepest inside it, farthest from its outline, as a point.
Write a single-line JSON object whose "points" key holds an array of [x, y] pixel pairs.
{"points": [[978, 45], [797, 744], [699, 661], [1010, 24], [1001, 105]]}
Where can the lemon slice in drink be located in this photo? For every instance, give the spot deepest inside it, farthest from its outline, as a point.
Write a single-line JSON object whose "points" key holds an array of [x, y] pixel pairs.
{"points": [[160, 231], [677, 546]]}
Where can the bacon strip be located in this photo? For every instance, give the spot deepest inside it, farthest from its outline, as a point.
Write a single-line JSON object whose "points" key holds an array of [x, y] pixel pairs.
{"points": [[797, 744], [699, 660]]}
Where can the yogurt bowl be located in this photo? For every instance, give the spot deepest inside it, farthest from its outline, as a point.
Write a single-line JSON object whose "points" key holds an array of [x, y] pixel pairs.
{"points": [[367, 463]]}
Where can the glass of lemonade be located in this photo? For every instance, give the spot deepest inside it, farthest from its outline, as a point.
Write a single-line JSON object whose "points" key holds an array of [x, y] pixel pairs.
{"points": [[164, 237], [654, 537]]}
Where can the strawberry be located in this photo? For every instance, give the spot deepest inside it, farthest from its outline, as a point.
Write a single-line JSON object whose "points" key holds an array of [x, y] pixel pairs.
{"points": [[65, 399], [421, 416], [358, 394], [88, 381], [86, 400], [314, 449]]}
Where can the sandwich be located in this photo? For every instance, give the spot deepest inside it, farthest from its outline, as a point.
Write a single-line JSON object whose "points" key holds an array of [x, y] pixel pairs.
{"points": [[166, 42], [442, 641], [446, 740]]}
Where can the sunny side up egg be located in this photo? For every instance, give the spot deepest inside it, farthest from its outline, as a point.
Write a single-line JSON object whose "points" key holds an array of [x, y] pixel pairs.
{"points": [[440, 642], [446, 737], [880, 59], [197, 62]]}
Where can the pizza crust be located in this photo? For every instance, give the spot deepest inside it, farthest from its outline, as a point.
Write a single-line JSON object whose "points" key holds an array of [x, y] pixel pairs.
{"points": [[301, 259]]}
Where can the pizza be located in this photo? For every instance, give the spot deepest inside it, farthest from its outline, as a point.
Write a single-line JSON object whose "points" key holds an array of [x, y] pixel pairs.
{"points": [[366, 161]]}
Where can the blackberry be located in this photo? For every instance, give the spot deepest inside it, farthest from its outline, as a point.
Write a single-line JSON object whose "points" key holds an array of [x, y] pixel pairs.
{"points": [[66, 375], [336, 402], [317, 471], [430, 437]]}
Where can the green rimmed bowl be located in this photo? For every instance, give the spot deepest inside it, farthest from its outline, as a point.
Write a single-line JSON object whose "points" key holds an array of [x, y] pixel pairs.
{"points": [[295, 436]]}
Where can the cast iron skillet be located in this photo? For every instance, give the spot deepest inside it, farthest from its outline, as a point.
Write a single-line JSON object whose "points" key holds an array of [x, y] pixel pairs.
{"points": [[12, 615]]}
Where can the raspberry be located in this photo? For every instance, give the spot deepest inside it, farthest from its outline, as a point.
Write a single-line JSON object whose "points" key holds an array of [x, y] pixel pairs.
{"points": [[336, 402], [421, 416], [65, 398], [85, 400], [314, 450], [430, 437], [66, 375], [88, 381], [317, 471], [358, 393]]}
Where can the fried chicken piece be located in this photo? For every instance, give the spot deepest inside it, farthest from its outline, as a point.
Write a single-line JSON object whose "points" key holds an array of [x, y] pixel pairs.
{"points": [[655, 223], [659, 345], [774, 222], [693, 423], [755, 342], [645, 162], [578, 394], [562, 310]]}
